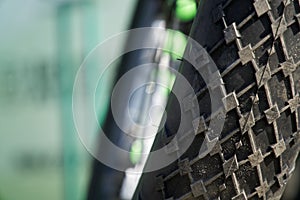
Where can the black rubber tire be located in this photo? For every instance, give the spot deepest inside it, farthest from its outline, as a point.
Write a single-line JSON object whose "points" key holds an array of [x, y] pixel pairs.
{"points": [[256, 47]]}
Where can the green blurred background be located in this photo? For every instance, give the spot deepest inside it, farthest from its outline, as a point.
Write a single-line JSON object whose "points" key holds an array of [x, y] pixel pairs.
{"points": [[42, 44]]}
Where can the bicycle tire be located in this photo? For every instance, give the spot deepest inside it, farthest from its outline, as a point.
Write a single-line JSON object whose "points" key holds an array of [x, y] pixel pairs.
{"points": [[256, 47]]}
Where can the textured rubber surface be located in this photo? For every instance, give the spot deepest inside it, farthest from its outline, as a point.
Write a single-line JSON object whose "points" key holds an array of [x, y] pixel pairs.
{"points": [[256, 46]]}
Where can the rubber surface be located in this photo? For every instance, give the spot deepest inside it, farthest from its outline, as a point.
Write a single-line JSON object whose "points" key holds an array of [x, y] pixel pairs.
{"points": [[256, 46]]}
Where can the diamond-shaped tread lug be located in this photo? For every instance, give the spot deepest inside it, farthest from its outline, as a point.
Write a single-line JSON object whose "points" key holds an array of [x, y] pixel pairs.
{"points": [[230, 166], [288, 68], [246, 122], [261, 190], [279, 27], [200, 57], [208, 146], [279, 148], [294, 103], [218, 13], [198, 188], [215, 80], [216, 149], [261, 7], [256, 158], [281, 177], [231, 33], [199, 125], [272, 114], [184, 167], [240, 196], [263, 75], [246, 54], [281, 181], [230, 101]]}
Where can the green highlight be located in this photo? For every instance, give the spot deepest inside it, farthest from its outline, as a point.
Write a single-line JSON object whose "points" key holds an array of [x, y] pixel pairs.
{"points": [[169, 77], [175, 44], [136, 151], [186, 10]]}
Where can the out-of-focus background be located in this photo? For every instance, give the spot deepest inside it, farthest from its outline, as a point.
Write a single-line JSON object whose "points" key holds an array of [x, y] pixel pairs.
{"points": [[42, 44]]}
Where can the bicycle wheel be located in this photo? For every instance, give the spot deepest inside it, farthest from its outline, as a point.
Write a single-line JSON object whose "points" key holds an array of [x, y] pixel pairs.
{"points": [[256, 47]]}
